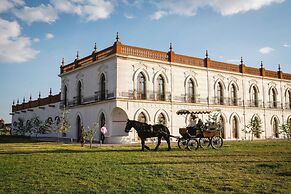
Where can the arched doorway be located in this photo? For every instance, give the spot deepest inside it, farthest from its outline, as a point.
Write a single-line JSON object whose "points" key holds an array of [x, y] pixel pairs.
{"points": [[79, 128], [235, 127], [221, 122], [119, 119], [275, 126], [162, 119]]}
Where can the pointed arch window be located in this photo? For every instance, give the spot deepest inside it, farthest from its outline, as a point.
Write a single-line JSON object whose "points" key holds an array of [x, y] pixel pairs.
{"points": [[191, 91], [235, 127], [102, 120], [65, 96], [141, 86], [288, 99], [273, 98], [254, 97], [219, 94], [102, 87], [79, 128], [161, 88], [162, 119], [142, 118], [233, 95], [79, 93], [276, 128]]}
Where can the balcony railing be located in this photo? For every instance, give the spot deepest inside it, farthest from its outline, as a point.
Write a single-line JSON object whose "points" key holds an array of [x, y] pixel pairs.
{"points": [[97, 97], [273, 104], [287, 105], [257, 103], [154, 96]]}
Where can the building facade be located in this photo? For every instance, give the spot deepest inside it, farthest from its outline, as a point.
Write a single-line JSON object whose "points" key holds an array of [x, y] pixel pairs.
{"points": [[125, 82]]}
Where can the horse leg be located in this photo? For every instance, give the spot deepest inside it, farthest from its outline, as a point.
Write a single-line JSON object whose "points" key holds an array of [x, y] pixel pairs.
{"points": [[159, 143], [142, 145], [146, 147], [167, 138]]}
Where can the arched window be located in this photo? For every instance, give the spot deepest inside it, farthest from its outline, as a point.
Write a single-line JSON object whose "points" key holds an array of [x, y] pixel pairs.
{"points": [[221, 123], [142, 118], [288, 99], [235, 127], [79, 128], [162, 119], [233, 95], [219, 94], [79, 93], [191, 91], [273, 98], [141, 86], [65, 96], [275, 128], [161, 88], [102, 87], [254, 97], [102, 120]]}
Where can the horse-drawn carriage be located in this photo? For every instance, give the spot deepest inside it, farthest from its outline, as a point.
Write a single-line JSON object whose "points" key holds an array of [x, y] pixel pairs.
{"points": [[201, 134]]}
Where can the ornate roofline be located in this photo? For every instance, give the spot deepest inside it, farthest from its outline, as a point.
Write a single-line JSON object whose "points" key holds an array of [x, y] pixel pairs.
{"points": [[171, 56]]}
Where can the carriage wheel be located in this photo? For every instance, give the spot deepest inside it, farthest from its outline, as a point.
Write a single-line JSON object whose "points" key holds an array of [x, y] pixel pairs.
{"points": [[193, 144], [182, 143], [216, 142], [204, 142]]}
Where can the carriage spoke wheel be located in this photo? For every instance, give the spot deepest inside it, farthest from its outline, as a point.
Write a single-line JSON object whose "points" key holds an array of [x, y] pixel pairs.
{"points": [[204, 142], [216, 142], [182, 143], [193, 144]]}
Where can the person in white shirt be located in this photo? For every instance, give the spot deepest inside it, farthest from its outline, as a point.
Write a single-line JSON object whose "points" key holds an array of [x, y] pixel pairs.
{"points": [[103, 131]]}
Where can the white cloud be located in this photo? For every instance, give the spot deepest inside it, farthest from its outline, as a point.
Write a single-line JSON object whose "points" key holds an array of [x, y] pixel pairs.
{"points": [[49, 36], [35, 40], [6, 5], [224, 7], [14, 48], [286, 45], [42, 13], [158, 15], [128, 16], [266, 50], [91, 10]]}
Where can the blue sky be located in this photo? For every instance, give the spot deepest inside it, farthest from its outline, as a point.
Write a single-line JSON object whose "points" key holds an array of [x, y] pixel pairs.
{"points": [[35, 35]]}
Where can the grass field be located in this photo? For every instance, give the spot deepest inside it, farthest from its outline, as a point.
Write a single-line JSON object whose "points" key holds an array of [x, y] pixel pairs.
{"points": [[238, 167]]}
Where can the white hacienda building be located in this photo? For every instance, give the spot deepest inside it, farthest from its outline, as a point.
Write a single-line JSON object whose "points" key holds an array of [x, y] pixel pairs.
{"points": [[124, 82]]}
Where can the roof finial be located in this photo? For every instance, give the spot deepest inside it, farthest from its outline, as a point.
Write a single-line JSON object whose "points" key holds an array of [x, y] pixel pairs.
{"points": [[206, 54], [279, 67], [23, 99], [50, 91], [63, 62], [95, 47], [77, 56], [241, 61], [117, 37], [13, 102], [17, 100], [30, 98], [262, 64], [39, 95], [171, 48]]}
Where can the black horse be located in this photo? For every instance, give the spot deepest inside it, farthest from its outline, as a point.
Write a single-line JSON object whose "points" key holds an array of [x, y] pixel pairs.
{"points": [[145, 130]]}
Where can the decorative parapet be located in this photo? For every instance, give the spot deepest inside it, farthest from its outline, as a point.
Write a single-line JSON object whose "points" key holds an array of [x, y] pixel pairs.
{"points": [[51, 99], [171, 56]]}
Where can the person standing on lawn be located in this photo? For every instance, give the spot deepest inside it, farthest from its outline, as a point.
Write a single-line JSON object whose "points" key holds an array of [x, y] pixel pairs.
{"points": [[103, 131]]}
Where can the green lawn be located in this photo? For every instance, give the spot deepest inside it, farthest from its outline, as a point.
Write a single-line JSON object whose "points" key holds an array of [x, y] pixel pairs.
{"points": [[238, 167]]}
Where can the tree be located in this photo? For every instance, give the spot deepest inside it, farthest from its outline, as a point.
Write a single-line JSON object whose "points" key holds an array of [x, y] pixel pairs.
{"points": [[61, 124], [83, 136], [3, 129], [255, 126], [19, 127], [286, 129], [91, 132]]}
